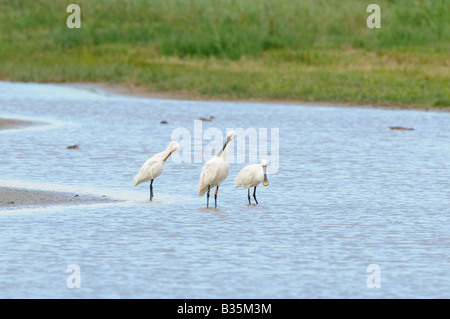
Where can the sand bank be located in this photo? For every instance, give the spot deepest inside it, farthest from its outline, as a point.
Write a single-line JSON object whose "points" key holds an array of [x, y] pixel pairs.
{"points": [[6, 124], [16, 197]]}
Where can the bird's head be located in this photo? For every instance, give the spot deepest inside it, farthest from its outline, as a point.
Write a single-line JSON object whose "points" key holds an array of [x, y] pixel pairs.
{"points": [[264, 166], [230, 137], [264, 163], [172, 147], [231, 134]]}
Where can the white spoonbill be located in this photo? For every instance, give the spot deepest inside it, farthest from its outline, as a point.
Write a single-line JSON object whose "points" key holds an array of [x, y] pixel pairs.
{"points": [[251, 176], [215, 171], [154, 166]]}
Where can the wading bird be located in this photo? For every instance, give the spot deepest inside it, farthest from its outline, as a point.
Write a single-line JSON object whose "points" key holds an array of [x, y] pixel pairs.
{"points": [[251, 176], [215, 171], [154, 166]]}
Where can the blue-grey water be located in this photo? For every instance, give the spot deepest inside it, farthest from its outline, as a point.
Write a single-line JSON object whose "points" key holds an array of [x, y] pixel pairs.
{"points": [[349, 193]]}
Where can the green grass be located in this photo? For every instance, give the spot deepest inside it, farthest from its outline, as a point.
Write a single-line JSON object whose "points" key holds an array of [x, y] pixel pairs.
{"points": [[316, 50]]}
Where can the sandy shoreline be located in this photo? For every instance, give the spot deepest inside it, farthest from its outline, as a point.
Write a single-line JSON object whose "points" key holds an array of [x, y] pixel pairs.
{"points": [[142, 91], [19, 198], [6, 124]]}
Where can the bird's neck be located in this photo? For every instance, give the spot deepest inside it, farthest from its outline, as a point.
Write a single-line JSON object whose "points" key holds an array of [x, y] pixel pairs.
{"points": [[223, 154], [166, 153]]}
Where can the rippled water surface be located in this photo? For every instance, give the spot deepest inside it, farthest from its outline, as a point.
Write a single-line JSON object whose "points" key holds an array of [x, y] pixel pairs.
{"points": [[349, 192]]}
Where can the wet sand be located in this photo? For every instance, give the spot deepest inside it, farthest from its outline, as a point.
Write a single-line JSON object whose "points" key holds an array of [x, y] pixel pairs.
{"points": [[15, 197], [6, 124]]}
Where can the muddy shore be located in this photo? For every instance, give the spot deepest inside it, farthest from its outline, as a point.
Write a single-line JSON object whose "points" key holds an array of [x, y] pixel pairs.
{"points": [[16, 198], [6, 124]]}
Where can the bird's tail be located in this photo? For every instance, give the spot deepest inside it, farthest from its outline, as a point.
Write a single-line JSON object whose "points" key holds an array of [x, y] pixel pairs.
{"points": [[238, 182], [202, 190], [202, 185], [137, 180]]}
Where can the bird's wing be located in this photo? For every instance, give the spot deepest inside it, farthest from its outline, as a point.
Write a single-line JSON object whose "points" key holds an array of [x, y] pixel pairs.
{"points": [[246, 177], [207, 176], [150, 170]]}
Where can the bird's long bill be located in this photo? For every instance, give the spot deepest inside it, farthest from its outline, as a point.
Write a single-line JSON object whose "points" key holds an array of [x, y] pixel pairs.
{"points": [[167, 156], [266, 182], [224, 146]]}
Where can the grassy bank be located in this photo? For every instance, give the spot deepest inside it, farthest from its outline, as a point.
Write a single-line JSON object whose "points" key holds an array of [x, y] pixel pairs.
{"points": [[316, 50]]}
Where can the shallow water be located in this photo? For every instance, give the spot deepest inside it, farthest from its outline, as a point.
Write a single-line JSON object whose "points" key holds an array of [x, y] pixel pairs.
{"points": [[349, 192]]}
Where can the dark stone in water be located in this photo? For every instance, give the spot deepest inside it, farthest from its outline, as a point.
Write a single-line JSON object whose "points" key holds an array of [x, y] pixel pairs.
{"points": [[206, 120], [163, 122], [73, 147], [401, 128]]}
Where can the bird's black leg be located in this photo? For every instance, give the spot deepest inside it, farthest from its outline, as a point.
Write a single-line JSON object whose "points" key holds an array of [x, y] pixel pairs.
{"points": [[249, 202], [207, 197], [215, 197], [151, 190], [254, 196]]}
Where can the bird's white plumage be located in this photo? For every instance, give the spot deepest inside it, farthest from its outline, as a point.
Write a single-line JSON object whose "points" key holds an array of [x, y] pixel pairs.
{"points": [[251, 175], [151, 169], [154, 166], [216, 170]]}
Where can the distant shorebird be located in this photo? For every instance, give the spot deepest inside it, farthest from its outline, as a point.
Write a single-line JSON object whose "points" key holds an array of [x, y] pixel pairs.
{"points": [[251, 176], [215, 171], [207, 120], [154, 166]]}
